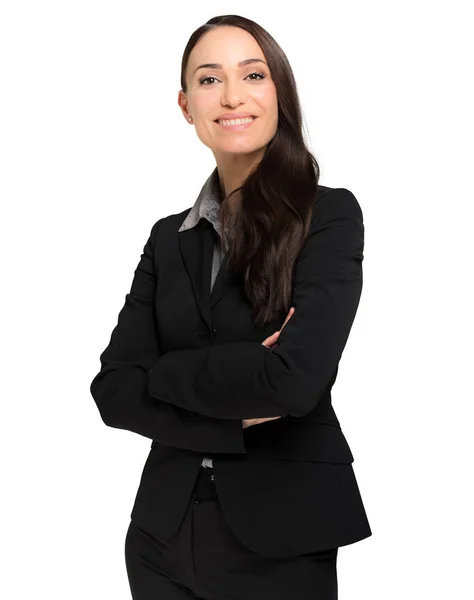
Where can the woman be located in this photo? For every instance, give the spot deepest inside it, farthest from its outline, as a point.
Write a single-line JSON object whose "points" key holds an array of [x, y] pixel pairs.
{"points": [[248, 490]]}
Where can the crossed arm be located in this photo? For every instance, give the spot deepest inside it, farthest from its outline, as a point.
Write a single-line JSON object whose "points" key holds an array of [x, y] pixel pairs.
{"points": [[197, 398]]}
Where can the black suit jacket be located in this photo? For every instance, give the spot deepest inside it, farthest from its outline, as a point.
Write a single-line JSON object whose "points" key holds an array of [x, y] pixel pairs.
{"points": [[184, 366]]}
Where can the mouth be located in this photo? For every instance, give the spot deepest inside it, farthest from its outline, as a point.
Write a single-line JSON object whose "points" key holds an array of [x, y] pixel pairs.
{"points": [[240, 124]]}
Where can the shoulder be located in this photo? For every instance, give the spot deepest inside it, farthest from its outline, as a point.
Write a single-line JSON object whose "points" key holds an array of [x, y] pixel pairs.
{"points": [[170, 223], [338, 202], [337, 227]]}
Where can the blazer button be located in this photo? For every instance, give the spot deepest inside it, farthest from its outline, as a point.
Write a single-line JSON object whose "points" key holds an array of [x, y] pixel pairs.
{"points": [[202, 334]]}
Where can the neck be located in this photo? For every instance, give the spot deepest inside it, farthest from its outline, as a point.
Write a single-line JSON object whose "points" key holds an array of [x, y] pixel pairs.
{"points": [[233, 170]]}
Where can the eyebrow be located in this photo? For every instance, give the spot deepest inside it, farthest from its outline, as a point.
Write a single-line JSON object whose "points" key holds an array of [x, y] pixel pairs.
{"points": [[242, 63]]}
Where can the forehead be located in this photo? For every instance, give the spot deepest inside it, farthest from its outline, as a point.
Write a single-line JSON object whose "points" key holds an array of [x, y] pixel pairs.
{"points": [[225, 45]]}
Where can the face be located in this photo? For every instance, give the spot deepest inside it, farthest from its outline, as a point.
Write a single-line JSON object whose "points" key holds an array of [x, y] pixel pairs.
{"points": [[230, 88]]}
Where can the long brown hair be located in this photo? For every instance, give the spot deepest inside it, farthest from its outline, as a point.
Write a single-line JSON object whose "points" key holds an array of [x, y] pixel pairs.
{"points": [[277, 197]]}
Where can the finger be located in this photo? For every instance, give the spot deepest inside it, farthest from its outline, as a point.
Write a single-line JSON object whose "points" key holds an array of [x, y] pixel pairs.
{"points": [[290, 314], [271, 339]]}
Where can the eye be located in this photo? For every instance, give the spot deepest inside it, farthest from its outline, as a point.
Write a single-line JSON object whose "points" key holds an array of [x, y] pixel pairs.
{"points": [[260, 75], [201, 81]]}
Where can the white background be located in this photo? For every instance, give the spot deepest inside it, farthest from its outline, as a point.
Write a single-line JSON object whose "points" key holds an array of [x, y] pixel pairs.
{"points": [[94, 150]]}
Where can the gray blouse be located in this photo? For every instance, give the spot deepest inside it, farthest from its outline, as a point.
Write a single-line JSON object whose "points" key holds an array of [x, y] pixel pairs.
{"points": [[207, 207]]}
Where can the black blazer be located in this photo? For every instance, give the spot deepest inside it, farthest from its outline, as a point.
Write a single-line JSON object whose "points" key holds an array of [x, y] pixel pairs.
{"points": [[184, 366]]}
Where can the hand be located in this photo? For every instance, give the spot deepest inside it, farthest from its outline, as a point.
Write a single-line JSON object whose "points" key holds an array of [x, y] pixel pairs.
{"points": [[250, 422], [269, 342]]}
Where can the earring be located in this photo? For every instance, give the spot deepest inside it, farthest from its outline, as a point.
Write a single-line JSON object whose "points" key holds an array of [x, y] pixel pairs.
{"points": [[190, 119]]}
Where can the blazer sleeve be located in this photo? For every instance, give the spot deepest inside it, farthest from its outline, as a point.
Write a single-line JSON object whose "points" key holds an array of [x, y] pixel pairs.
{"points": [[120, 387], [245, 380]]}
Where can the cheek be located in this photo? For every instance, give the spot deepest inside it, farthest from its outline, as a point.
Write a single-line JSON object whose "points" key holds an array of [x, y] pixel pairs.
{"points": [[267, 100], [200, 109], [200, 104], [205, 103]]}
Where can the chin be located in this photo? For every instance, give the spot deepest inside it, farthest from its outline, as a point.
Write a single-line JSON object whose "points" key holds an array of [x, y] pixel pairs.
{"points": [[238, 148]]}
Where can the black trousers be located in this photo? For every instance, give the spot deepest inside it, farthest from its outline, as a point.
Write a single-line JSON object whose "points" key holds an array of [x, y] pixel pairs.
{"points": [[205, 560]]}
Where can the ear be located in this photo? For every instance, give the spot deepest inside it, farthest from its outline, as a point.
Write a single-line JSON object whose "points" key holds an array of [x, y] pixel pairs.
{"points": [[183, 103]]}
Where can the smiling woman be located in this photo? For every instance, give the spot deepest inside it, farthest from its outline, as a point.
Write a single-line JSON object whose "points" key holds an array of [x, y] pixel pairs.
{"points": [[209, 86], [248, 490], [238, 90]]}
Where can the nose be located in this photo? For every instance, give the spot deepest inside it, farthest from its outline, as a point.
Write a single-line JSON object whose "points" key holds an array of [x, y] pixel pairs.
{"points": [[233, 94]]}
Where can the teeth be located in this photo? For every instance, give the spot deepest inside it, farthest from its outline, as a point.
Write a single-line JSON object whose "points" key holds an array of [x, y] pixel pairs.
{"points": [[235, 121]]}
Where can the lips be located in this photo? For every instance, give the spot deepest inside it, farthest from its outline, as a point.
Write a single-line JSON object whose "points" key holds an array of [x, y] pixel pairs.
{"points": [[230, 118], [236, 115]]}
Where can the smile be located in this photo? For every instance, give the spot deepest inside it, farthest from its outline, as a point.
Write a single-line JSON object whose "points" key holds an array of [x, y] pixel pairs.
{"points": [[236, 124]]}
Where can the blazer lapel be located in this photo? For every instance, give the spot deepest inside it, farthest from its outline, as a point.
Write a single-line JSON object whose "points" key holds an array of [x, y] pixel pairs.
{"points": [[197, 249], [224, 281]]}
